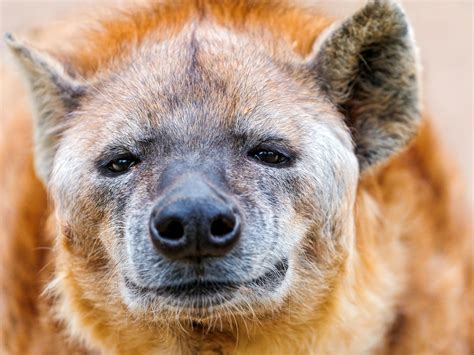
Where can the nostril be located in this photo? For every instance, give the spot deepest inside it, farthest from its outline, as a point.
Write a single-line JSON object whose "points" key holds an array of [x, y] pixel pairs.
{"points": [[170, 229], [222, 226]]}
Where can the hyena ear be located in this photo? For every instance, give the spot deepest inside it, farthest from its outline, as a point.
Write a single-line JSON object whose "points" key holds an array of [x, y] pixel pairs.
{"points": [[55, 94], [368, 68]]}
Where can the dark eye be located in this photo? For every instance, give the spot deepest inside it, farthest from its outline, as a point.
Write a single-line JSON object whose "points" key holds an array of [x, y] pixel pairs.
{"points": [[121, 164], [270, 157]]}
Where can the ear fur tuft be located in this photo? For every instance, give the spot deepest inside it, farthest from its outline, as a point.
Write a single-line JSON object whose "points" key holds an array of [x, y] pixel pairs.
{"points": [[368, 67], [55, 93]]}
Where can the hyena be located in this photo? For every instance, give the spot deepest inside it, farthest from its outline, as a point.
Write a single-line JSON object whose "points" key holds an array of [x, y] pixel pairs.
{"points": [[230, 177]]}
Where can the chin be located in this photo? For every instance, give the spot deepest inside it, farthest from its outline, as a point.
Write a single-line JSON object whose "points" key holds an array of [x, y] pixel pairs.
{"points": [[203, 300]]}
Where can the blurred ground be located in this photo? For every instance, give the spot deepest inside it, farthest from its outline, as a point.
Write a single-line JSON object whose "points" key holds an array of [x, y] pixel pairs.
{"points": [[443, 29]]}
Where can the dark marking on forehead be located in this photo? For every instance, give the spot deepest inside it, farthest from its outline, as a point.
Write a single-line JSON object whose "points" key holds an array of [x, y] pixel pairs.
{"points": [[193, 70], [203, 79]]}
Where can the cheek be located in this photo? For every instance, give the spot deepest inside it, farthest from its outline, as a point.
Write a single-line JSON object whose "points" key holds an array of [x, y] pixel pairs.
{"points": [[278, 222], [318, 196], [300, 210], [325, 202], [92, 210]]}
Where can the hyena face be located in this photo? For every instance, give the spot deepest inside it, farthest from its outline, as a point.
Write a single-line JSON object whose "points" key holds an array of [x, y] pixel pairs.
{"points": [[210, 173], [208, 168]]}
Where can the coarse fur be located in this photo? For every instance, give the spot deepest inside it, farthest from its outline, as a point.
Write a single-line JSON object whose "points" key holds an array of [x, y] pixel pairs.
{"points": [[367, 218]]}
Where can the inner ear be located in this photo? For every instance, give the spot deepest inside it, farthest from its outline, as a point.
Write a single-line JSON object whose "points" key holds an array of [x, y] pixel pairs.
{"points": [[55, 94], [368, 68]]}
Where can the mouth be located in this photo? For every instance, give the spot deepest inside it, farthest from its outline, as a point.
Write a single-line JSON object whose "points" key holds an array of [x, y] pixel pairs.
{"points": [[204, 293]]}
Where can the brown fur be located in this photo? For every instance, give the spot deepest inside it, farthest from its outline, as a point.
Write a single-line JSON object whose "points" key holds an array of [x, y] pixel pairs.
{"points": [[412, 282]]}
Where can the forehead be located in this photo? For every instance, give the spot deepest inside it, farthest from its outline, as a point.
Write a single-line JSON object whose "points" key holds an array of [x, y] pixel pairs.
{"points": [[204, 80]]}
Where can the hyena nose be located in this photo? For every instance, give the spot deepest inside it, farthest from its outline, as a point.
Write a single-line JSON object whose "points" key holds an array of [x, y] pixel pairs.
{"points": [[194, 222]]}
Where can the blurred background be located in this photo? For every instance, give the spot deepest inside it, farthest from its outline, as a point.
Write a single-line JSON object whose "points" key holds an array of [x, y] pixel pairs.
{"points": [[443, 29]]}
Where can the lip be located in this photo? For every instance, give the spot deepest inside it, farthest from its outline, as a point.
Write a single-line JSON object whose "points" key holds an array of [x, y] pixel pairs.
{"points": [[202, 292]]}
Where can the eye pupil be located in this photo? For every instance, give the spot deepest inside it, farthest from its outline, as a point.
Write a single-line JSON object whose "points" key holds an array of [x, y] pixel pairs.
{"points": [[269, 157], [121, 165]]}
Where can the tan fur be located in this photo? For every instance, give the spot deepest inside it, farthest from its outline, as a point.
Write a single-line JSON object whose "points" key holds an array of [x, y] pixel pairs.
{"points": [[405, 288]]}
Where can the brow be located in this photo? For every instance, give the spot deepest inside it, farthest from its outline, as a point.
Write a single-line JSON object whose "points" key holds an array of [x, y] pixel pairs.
{"points": [[127, 145], [252, 139]]}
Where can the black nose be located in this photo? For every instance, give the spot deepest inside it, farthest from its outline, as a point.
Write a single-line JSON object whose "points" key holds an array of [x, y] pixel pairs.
{"points": [[195, 220]]}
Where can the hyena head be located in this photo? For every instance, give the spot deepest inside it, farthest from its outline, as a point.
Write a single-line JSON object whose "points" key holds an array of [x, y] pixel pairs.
{"points": [[214, 172]]}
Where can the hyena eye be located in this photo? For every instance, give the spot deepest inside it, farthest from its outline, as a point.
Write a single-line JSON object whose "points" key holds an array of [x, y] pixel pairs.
{"points": [[269, 157], [121, 164]]}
